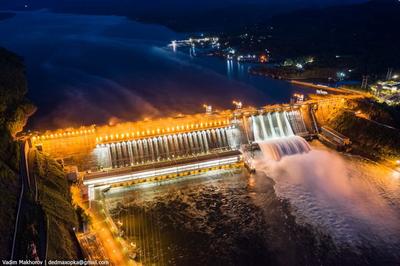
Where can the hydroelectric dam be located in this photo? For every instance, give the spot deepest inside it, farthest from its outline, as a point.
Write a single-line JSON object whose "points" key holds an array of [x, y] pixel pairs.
{"points": [[155, 150]]}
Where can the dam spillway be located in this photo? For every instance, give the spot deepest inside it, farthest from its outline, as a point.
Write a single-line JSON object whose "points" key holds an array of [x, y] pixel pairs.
{"points": [[276, 125], [277, 134], [173, 146]]}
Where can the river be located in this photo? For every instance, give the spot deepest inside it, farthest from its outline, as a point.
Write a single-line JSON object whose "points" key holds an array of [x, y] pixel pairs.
{"points": [[86, 69], [319, 208]]}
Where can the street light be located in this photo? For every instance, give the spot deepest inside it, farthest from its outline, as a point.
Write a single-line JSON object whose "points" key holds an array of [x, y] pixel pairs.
{"points": [[208, 109], [395, 76]]}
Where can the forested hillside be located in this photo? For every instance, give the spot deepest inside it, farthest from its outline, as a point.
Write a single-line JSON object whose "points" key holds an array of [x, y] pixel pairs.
{"points": [[14, 111], [53, 188]]}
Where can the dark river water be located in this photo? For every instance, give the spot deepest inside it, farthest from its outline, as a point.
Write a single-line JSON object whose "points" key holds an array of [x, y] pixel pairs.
{"points": [[92, 69], [222, 218], [319, 208]]}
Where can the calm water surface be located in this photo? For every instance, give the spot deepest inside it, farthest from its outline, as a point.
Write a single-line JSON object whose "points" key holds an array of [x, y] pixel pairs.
{"points": [[92, 69]]}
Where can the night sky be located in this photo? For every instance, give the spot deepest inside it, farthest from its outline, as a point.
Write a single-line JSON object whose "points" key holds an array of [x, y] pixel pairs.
{"points": [[145, 5]]}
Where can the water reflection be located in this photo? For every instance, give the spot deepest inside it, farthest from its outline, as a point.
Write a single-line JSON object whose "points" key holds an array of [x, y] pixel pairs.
{"points": [[91, 69], [229, 68]]}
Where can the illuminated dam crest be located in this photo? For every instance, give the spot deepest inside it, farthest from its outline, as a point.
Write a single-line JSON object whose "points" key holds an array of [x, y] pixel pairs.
{"points": [[176, 146]]}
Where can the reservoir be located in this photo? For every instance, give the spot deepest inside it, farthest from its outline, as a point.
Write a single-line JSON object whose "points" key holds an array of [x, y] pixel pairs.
{"points": [[102, 69]]}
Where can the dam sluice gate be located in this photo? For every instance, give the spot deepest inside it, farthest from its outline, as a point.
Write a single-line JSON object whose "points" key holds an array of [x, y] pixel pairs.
{"points": [[167, 147], [252, 129]]}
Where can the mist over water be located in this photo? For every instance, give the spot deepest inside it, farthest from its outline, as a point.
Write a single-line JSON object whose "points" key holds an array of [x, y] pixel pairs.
{"points": [[86, 69], [343, 211], [355, 202]]}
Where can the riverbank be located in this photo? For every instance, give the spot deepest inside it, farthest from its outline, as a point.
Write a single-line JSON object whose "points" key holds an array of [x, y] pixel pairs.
{"points": [[289, 73], [55, 200], [357, 119]]}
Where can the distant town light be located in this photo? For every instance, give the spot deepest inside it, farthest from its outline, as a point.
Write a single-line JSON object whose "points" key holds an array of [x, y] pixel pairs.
{"points": [[395, 76], [263, 58], [174, 46]]}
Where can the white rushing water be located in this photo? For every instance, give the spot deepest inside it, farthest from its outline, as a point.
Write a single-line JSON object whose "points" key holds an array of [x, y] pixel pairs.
{"points": [[279, 148], [355, 201], [271, 126]]}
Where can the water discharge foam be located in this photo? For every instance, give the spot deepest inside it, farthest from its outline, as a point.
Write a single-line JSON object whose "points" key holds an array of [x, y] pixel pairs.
{"points": [[354, 202], [275, 134], [276, 149]]}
